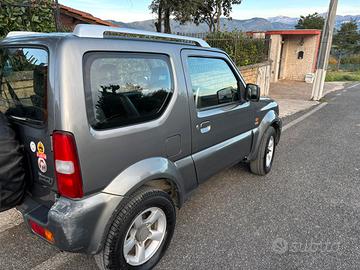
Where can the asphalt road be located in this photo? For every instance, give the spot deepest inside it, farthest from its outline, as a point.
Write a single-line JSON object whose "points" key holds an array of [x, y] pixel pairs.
{"points": [[304, 215]]}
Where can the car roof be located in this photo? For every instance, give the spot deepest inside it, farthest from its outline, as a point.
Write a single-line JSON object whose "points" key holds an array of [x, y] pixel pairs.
{"points": [[105, 32]]}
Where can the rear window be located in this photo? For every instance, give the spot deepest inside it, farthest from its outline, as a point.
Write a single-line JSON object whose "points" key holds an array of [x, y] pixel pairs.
{"points": [[23, 83], [126, 88]]}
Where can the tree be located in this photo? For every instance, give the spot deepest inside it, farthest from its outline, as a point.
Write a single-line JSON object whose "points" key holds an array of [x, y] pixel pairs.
{"points": [[311, 21], [347, 39], [241, 48], [26, 15], [156, 7], [206, 11], [198, 11], [163, 10]]}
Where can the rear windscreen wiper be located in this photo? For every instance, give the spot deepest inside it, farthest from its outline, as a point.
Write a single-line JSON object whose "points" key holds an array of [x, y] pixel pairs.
{"points": [[25, 119]]}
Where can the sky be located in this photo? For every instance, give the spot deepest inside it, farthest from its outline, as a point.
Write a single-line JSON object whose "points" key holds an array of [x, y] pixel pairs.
{"points": [[137, 10]]}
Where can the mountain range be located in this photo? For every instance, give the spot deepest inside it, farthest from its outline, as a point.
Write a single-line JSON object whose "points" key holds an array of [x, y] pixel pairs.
{"points": [[254, 24]]}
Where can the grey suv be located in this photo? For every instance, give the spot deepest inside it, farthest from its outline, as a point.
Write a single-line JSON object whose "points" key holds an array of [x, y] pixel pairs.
{"points": [[116, 127]]}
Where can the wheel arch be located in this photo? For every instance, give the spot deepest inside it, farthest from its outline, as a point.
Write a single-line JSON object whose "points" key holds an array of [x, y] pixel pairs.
{"points": [[277, 125], [270, 119], [157, 172]]}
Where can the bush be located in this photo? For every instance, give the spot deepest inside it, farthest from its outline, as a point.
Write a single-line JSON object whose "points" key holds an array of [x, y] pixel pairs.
{"points": [[333, 61], [353, 59], [242, 49], [337, 76], [26, 15]]}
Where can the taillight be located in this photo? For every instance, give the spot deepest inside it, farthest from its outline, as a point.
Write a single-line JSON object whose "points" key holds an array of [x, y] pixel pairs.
{"points": [[67, 167]]}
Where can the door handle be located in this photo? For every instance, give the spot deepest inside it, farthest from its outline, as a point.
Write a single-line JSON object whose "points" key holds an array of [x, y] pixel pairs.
{"points": [[204, 127]]}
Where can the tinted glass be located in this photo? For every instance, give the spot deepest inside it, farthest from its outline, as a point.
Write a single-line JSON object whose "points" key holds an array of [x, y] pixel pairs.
{"points": [[125, 89], [23, 77], [213, 82]]}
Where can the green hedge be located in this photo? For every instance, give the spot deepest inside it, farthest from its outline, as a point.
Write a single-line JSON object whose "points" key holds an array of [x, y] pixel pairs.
{"points": [[338, 76], [26, 15], [353, 59], [241, 48]]}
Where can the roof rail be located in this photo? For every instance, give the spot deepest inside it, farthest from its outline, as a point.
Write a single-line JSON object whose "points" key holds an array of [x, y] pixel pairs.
{"points": [[21, 33], [98, 31]]}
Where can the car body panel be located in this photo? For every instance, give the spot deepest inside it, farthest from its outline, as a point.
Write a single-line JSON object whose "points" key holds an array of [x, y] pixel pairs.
{"points": [[115, 162], [229, 139], [180, 173], [77, 225], [133, 144], [43, 187], [268, 112]]}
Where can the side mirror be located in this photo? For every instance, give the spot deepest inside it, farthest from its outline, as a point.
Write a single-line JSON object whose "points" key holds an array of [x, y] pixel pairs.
{"points": [[252, 92], [225, 95]]}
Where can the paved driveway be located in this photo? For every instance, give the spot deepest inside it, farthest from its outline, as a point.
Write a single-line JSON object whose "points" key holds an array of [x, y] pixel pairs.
{"points": [[304, 215], [294, 96]]}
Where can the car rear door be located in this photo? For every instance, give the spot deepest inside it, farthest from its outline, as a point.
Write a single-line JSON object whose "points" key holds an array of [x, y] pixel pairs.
{"points": [[221, 119], [24, 99]]}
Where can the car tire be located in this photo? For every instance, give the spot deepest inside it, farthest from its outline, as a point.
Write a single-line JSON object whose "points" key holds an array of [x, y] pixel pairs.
{"points": [[12, 167], [263, 163], [126, 229]]}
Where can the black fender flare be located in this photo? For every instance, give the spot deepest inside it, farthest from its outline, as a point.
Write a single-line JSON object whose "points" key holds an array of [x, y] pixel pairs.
{"points": [[270, 119], [145, 171]]}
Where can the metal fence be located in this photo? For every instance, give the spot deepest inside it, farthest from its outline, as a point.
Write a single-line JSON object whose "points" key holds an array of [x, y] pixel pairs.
{"points": [[344, 67]]}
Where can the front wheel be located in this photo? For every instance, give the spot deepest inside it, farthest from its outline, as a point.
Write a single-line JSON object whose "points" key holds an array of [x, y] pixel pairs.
{"points": [[140, 233], [265, 157]]}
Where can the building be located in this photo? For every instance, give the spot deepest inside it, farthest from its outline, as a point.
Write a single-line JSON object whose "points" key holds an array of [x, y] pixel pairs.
{"points": [[70, 17], [293, 53]]}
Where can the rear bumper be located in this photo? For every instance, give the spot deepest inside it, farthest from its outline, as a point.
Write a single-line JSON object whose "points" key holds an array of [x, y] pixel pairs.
{"points": [[78, 226]]}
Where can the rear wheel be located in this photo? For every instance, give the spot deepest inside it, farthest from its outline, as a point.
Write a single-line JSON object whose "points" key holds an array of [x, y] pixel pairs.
{"points": [[140, 233], [12, 170], [265, 157]]}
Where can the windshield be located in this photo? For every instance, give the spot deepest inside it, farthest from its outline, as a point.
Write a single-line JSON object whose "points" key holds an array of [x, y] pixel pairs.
{"points": [[23, 83]]}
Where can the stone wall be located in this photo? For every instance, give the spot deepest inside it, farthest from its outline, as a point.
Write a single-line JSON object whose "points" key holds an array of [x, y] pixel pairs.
{"points": [[275, 56], [21, 83], [258, 74], [295, 68]]}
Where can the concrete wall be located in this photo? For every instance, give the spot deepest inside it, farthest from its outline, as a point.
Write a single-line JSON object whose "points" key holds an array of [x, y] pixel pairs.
{"points": [[293, 68], [22, 84], [275, 56], [259, 74]]}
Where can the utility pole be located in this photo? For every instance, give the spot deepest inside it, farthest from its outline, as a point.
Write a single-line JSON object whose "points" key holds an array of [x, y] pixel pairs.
{"points": [[324, 52]]}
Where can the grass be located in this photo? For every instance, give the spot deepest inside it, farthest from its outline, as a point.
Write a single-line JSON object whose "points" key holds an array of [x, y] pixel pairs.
{"points": [[339, 76]]}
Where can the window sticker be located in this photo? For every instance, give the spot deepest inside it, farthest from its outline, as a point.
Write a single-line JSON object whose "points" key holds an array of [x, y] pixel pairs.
{"points": [[42, 165], [40, 148], [41, 151], [32, 147]]}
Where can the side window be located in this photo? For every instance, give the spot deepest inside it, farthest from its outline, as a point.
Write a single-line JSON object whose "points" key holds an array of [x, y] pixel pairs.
{"points": [[23, 82], [124, 88], [213, 82]]}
